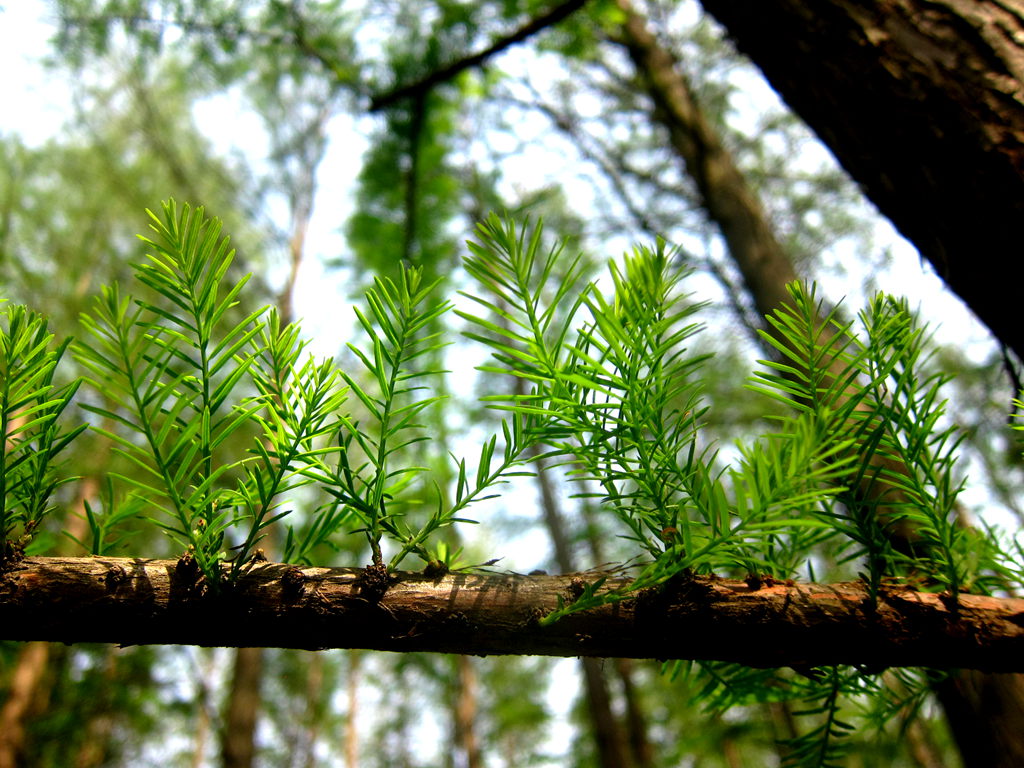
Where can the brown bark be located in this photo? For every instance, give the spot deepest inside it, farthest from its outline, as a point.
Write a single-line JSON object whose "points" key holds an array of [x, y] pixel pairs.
{"points": [[766, 268], [351, 732], [238, 743], [203, 710], [465, 713], [920, 748], [641, 751], [28, 671], [986, 714], [611, 746], [133, 601], [314, 712], [922, 101]]}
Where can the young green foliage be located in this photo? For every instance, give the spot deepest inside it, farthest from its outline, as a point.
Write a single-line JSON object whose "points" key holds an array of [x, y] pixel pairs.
{"points": [[103, 523], [615, 395], [298, 411], [882, 416], [31, 434], [618, 401], [174, 364], [367, 478], [223, 420]]}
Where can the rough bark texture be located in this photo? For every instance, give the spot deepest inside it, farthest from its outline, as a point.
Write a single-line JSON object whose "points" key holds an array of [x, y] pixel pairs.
{"points": [[987, 723], [922, 101], [134, 601]]}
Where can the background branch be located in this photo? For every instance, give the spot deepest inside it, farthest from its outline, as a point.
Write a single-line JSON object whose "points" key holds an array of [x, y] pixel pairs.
{"points": [[532, 27]]}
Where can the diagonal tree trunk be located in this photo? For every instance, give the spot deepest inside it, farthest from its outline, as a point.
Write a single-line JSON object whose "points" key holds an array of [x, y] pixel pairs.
{"points": [[986, 713], [922, 101], [725, 194]]}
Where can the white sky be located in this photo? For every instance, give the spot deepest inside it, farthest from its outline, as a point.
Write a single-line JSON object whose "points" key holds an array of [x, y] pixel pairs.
{"points": [[36, 105]]}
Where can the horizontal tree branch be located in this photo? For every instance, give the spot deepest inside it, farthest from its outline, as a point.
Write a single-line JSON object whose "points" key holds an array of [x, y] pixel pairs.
{"points": [[135, 601]]}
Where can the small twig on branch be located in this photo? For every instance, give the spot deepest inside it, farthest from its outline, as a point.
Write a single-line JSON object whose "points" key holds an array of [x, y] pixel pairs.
{"points": [[763, 623], [446, 73]]}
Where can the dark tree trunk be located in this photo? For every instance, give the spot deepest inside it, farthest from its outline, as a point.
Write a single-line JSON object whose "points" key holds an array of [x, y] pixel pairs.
{"points": [[238, 738], [725, 195], [922, 101], [899, 74], [986, 716], [641, 751]]}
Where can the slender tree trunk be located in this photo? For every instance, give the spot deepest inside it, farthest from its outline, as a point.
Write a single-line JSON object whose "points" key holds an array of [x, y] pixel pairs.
{"points": [[203, 707], [921, 749], [612, 748], [238, 745], [731, 754], [244, 698], [783, 726], [30, 667], [725, 194], [465, 713], [100, 723], [314, 710], [352, 712], [25, 680], [640, 749]]}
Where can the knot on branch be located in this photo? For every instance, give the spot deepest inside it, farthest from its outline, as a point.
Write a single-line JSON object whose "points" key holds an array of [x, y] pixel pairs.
{"points": [[373, 582]]}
